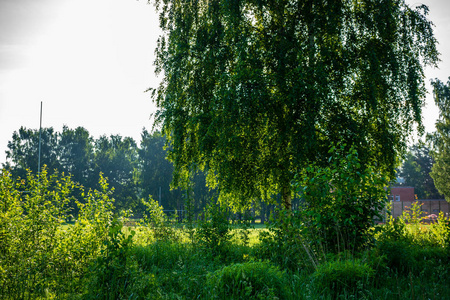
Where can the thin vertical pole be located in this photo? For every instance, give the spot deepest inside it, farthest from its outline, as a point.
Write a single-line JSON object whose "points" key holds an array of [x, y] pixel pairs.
{"points": [[40, 136]]}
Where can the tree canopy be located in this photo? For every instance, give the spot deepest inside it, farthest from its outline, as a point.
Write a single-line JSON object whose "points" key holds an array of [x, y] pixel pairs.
{"points": [[440, 139], [23, 150], [254, 90]]}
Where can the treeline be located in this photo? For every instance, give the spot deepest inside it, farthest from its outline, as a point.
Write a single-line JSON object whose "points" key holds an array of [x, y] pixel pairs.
{"points": [[135, 171], [416, 169]]}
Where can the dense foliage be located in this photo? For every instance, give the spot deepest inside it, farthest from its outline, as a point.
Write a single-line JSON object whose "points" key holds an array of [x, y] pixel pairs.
{"points": [[441, 139], [39, 256], [97, 257], [254, 91], [342, 201]]}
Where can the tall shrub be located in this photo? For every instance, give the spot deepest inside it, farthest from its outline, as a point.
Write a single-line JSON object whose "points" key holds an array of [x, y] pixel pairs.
{"points": [[32, 211], [213, 233], [160, 225], [39, 254], [341, 200]]}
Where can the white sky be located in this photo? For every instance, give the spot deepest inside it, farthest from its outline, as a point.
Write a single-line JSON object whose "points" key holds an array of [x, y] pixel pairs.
{"points": [[90, 62]]}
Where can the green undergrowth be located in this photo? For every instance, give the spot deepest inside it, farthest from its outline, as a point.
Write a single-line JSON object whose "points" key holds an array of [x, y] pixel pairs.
{"points": [[98, 257]]}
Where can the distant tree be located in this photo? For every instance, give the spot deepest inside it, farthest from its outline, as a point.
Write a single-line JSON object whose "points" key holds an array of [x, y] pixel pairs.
{"points": [[23, 151], [253, 91], [416, 170], [155, 171], [440, 139], [116, 158], [155, 176], [76, 152]]}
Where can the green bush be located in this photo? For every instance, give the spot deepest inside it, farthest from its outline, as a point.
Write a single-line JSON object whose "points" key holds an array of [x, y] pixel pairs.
{"points": [[244, 225], [440, 231], [179, 269], [427, 259], [341, 201], [251, 280], [40, 256], [113, 274], [398, 255], [116, 273], [284, 244], [338, 276], [214, 232], [32, 211], [156, 220], [403, 256], [393, 230], [411, 248]]}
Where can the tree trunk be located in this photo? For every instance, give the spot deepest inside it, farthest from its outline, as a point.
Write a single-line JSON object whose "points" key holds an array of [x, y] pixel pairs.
{"points": [[253, 212], [263, 212], [286, 195]]}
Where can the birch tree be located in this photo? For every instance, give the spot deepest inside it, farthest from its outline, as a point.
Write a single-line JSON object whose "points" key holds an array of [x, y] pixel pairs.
{"points": [[253, 90]]}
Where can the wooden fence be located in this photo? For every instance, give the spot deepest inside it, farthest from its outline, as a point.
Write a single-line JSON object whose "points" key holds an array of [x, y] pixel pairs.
{"points": [[428, 207]]}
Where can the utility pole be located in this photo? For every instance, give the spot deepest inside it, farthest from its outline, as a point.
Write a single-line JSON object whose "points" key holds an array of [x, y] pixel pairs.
{"points": [[40, 136]]}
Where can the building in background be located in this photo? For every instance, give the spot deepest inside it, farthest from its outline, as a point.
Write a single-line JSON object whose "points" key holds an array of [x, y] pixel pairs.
{"points": [[402, 193], [402, 197]]}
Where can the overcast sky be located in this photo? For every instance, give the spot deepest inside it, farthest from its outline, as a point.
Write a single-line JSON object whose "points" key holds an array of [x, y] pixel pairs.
{"points": [[90, 61]]}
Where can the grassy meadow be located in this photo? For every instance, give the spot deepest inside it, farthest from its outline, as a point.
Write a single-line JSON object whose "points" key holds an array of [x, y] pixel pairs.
{"points": [[98, 257]]}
